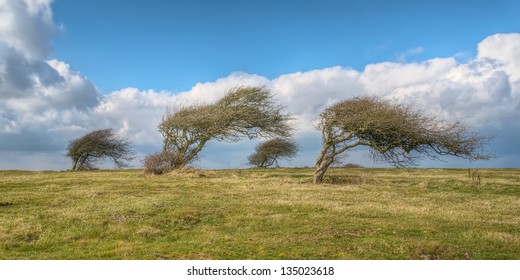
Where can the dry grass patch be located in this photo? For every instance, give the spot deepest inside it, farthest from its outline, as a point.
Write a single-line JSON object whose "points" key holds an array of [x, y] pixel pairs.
{"points": [[260, 214]]}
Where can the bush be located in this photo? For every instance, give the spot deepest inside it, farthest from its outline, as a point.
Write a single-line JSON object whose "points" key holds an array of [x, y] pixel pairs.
{"points": [[159, 163], [352, 165], [267, 153]]}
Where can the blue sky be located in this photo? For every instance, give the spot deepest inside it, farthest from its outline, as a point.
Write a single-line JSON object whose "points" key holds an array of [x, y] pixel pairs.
{"points": [[172, 45], [69, 67]]}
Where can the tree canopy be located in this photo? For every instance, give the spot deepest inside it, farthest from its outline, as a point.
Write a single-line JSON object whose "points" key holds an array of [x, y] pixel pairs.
{"points": [[394, 133], [97, 145], [267, 153], [244, 112]]}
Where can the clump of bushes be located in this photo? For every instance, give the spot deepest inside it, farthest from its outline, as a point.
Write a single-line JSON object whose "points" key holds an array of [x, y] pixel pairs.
{"points": [[352, 165], [159, 163]]}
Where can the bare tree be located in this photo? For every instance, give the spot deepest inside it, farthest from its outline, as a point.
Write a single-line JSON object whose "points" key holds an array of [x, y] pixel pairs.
{"points": [[267, 153], [243, 112], [97, 145], [394, 133]]}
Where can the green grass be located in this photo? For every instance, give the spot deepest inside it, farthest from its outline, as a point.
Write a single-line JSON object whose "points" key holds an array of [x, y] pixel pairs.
{"points": [[260, 214]]}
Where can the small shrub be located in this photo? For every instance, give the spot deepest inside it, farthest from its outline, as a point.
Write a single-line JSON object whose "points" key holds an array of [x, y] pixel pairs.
{"points": [[352, 165], [159, 163]]}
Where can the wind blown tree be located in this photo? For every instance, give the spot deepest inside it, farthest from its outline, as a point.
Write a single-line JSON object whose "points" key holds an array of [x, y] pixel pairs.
{"points": [[394, 133], [98, 145], [267, 153], [244, 112]]}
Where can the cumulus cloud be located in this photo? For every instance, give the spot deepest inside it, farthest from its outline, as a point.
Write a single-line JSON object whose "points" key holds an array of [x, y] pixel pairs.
{"points": [[42, 103], [26, 26], [45, 103], [504, 51], [307, 94]]}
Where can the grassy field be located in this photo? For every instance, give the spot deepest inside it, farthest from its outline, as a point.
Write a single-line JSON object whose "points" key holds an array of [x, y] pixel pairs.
{"points": [[260, 214]]}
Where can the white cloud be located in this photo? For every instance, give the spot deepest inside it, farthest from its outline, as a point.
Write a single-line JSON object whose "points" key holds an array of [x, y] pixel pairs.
{"points": [[385, 77], [8, 126], [133, 113], [504, 51], [307, 94], [42, 103], [26, 25]]}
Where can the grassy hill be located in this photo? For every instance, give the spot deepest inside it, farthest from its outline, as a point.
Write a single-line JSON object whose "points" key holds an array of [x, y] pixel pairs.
{"points": [[261, 214]]}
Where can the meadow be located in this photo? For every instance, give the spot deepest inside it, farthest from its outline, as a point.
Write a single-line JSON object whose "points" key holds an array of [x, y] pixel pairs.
{"points": [[358, 213]]}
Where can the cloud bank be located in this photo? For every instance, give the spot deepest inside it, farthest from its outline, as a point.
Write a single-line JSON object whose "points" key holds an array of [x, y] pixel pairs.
{"points": [[45, 103]]}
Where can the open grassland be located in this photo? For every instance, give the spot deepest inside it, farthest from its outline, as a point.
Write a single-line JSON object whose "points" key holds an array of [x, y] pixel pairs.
{"points": [[260, 214]]}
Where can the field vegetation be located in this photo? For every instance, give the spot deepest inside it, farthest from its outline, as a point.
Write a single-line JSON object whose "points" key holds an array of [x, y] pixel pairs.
{"points": [[357, 213]]}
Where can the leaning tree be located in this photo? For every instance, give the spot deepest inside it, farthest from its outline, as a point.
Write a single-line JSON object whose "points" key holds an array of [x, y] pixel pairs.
{"points": [[98, 145], [243, 112], [267, 153], [394, 133]]}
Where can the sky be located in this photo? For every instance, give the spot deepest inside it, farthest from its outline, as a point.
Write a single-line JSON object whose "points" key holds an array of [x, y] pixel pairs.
{"points": [[69, 67]]}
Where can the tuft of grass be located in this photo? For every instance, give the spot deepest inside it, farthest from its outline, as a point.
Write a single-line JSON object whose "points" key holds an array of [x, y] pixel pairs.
{"points": [[359, 213]]}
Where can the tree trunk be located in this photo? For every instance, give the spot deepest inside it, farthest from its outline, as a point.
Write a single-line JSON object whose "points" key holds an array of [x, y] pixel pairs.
{"points": [[319, 173], [324, 160], [74, 164], [185, 155], [81, 163], [320, 170]]}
